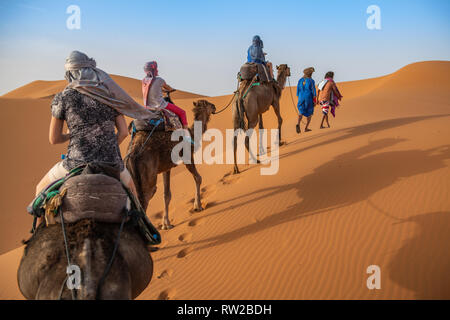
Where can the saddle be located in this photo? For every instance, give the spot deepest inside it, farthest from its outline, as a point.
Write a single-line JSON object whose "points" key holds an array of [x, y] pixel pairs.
{"points": [[93, 196], [93, 191], [250, 69], [167, 121]]}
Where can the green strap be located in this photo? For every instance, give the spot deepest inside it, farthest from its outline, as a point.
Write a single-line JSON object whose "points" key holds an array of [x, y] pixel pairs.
{"points": [[251, 86], [52, 194], [147, 229], [54, 189]]}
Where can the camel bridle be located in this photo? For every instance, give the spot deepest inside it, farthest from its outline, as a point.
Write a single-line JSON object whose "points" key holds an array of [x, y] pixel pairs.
{"points": [[108, 266]]}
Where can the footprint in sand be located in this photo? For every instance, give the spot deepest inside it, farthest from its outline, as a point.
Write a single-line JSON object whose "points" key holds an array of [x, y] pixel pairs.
{"points": [[207, 205], [196, 222], [166, 274], [183, 253], [185, 237], [158, 215], [228, 178], [168, 294], [205, 193]]}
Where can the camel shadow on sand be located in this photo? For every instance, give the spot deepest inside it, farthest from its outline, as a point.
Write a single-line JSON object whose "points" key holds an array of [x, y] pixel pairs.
{"points": [[347, 133], [423, 263], [370, 174], [358, 131], [381, 165]]}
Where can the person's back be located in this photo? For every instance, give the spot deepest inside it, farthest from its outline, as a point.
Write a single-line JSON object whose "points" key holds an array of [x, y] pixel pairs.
{"points": [[256, 55], [93, 107], [152, 91], [255, 51], [92, 129], [305, 89], [155, 97], [329, 96], [325, 93], [306, 92]]}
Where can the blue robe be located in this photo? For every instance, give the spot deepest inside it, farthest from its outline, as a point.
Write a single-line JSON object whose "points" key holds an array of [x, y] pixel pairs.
{"points": [[255, 51], [256, 54], [306, 91]]}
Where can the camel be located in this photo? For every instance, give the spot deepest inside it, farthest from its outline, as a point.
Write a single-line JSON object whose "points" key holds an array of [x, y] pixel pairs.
{"points": [[257, 101], [42, 271], [147, 160]]}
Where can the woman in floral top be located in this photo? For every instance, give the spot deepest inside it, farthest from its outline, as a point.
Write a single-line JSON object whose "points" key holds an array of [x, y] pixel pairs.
{"points": [[91, 125]]}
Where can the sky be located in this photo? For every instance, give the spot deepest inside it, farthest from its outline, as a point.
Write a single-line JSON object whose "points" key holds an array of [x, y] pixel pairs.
{"points": [[200, 45]]}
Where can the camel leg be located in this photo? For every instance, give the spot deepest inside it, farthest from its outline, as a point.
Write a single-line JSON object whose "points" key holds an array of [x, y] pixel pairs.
{"points": [[261, 142], [236, 169], [144, 174], [198, 182], [251, 125], [167, 197], [148, 190], [276, 108]]}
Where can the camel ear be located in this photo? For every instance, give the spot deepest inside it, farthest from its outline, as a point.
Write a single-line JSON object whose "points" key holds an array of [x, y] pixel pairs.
{"points": [[195, 104], [278, 67]]}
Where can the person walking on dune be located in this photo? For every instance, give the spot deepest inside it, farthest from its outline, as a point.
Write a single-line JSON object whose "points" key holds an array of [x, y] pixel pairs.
{"points": [[306, 93], [329, 97]]}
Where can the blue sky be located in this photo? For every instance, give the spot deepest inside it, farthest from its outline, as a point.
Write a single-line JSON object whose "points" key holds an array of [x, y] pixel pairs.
{"points": [[200, 45]]}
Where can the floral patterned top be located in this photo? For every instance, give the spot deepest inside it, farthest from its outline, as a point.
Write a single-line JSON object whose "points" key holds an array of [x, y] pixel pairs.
{"points": [[92, 129]]}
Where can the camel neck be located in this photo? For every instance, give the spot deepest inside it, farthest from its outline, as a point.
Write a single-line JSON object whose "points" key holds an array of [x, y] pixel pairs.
{"points": [[281, 79]]}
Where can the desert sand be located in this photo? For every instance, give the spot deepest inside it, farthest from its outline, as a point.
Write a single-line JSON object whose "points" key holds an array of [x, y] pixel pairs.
{"points": [[371, 190]]}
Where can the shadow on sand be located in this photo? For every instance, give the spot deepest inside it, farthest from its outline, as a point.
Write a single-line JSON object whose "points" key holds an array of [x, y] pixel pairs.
{"points": [[370, 173], [358, 131], [423, 263]]}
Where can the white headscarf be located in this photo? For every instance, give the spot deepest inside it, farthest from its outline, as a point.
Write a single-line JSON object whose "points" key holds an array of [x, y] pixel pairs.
{"points": [[84, 76]]}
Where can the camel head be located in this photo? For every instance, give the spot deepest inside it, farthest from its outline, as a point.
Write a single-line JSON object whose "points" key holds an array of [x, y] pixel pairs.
{"points": [[203, 110], [283, 71]]}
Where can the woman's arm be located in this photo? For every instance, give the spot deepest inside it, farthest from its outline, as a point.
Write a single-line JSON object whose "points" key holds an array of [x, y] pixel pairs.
{"points": [[56, 134], [122, 129], [168, 88]]}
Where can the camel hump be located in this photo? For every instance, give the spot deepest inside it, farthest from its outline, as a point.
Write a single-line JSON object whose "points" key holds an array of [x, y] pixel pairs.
{"points": [[146, 125], [96, 196], [167, 121], [248, 71]]}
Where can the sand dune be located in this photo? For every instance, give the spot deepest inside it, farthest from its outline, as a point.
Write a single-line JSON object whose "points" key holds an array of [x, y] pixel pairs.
{"points": [[47, 89], [373, 189]]}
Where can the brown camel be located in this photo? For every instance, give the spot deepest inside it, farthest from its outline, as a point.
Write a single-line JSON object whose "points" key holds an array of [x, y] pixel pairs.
{"points": [[42, 270], [147, 160], [257, 101]]}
